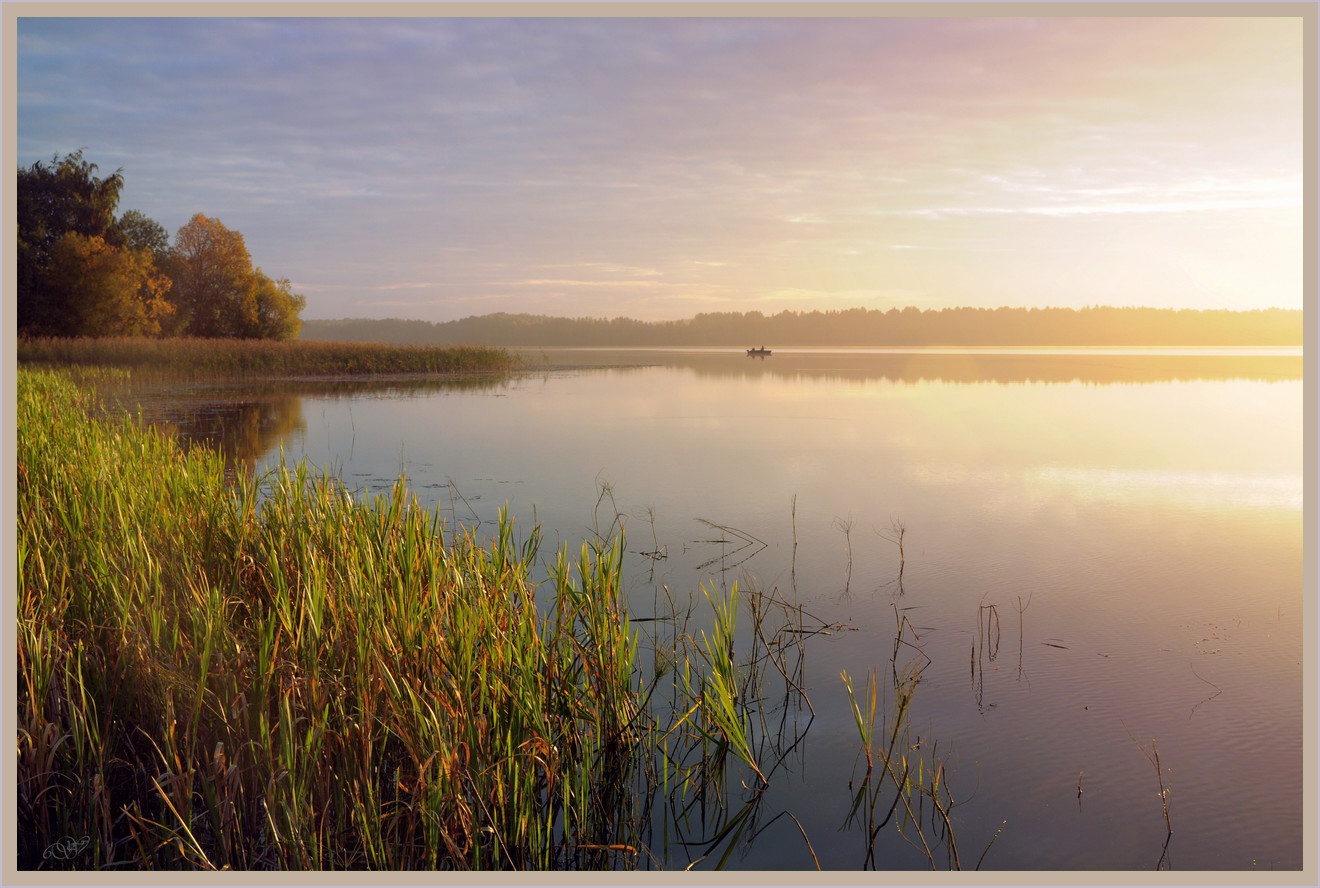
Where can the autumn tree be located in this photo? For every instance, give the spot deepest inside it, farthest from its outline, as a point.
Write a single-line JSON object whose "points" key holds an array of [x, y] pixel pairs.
{"points": [[108, 291], [82, 272], [220, 294], [278, 309]]}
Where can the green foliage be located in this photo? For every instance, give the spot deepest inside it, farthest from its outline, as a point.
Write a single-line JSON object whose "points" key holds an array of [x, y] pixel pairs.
{"points": [[55, 199], [277, 309], [139, 232]]}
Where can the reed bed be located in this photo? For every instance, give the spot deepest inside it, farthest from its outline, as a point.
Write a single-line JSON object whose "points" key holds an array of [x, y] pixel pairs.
{"points": [[235, 673], [227, 671], [259, 358]]}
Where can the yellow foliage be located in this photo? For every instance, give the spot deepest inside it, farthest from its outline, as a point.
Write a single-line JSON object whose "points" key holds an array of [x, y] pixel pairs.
{"points": [[113, 291]]}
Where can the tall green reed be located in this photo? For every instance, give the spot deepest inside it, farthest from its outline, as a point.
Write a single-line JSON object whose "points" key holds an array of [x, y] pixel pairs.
{"points": [[254, 672], [268, 673]]}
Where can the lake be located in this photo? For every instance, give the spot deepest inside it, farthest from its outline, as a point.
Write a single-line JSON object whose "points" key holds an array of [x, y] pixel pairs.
{"points": [[1101, 567]]}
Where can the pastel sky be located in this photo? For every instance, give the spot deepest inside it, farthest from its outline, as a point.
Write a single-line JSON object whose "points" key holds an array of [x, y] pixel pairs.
{"points": [[437, 168]]}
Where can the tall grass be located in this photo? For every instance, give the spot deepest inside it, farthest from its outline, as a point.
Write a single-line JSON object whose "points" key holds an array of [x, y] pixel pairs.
{"points": [[263, 672], [257, 358], [217, 675]]}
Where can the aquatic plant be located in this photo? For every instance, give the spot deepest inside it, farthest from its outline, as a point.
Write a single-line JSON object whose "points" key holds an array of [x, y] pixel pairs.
{"points": [[270, 674], [259, 358], [265, 672], [915, 772]]}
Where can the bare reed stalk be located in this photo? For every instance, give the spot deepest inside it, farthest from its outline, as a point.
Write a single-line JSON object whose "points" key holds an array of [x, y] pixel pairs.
{"points": [[1022, 609], [897, 530], [845, 526], [793, 571], [1153, 756], [915, 777]]}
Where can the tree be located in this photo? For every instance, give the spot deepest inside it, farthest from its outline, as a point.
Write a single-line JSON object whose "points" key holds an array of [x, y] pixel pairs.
{"points": [[278, 308], [108, 291], [139, 232], [55, 199], [82, 272], [220, 294]]}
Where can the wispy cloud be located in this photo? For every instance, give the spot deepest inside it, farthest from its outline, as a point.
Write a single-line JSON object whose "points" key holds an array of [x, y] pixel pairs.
{"points": [[571, 283], [1109, 208], [715, 158]]}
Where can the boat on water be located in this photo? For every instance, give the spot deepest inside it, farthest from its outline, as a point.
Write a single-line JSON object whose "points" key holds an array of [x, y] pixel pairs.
{"points": [[758, 352]]}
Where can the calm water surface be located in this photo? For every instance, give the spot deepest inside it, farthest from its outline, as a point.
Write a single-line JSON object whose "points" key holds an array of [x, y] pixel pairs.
{"points": [[1101, 551]]}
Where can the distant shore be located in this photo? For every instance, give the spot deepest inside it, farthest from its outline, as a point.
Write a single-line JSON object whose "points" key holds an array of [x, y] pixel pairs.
{"points": [[1100, 326]]}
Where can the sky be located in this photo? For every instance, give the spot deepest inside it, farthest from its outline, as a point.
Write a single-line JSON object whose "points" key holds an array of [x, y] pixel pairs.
{"points": [[655, 168]]}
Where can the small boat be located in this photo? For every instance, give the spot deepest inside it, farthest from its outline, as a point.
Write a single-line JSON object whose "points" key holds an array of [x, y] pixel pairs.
{"points": [[758, 352]]}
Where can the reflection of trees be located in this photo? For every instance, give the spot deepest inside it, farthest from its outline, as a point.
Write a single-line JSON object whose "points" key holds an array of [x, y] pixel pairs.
{"points": [[241, 430], [966, 367], [244, 422]]}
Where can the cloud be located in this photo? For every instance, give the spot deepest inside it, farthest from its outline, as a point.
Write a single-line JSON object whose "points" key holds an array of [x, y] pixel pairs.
{"points": [[1108, 208], [593, 154], [570, 283]]}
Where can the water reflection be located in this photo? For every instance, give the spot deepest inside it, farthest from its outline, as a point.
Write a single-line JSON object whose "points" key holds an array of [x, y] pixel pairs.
{"points": [[245, 422], [1096, 367], [1144, 510], [242, 430]]}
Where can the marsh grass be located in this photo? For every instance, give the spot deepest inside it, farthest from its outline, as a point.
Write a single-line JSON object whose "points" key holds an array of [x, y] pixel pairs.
{"points": [[264, 672], [739, 712], [258, 358], [234, 671], [268, 674], [906, 779]]}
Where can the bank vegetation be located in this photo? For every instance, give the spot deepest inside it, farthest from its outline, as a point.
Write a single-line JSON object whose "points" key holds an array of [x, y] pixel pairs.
{"points": [[181, 358]]}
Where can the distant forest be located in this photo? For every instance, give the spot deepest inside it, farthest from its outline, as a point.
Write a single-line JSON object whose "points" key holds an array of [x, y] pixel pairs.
{"points": [[1096, 326]]}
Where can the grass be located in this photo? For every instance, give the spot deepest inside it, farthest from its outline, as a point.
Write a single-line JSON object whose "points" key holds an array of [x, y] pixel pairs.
{"points": [[228, 671], [223, 674], [254, 358]]}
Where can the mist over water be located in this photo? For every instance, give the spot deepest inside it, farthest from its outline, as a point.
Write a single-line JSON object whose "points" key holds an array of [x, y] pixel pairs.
{"points": [[1131, 522]]}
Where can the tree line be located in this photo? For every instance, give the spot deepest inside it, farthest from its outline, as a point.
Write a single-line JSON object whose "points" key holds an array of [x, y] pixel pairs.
{"points": [[1091, 326], [83, 271]]}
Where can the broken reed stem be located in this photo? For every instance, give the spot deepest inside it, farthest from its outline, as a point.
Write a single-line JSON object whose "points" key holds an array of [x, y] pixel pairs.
{"points": [[1164, 793], [1154, 758], [793, 569], [846, 527]]}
